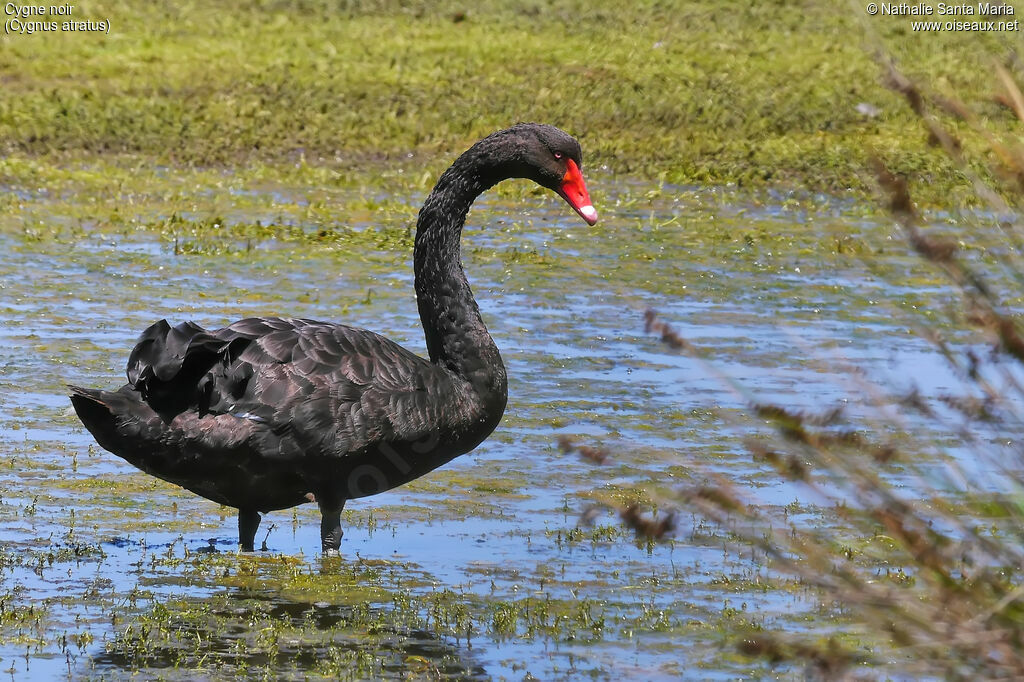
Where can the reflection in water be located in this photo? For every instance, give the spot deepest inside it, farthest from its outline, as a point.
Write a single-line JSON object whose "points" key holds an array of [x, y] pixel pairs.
{"points": [[238, 632]]}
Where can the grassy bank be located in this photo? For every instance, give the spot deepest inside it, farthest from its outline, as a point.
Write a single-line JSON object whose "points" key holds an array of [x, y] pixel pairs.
{"points": [[700, 92]]}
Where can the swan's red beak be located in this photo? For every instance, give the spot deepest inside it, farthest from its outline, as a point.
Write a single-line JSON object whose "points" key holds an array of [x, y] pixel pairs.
{"points": [[574, 191]]}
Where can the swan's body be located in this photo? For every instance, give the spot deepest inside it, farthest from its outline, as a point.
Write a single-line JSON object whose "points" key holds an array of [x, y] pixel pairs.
{"points": [[268, 413]]}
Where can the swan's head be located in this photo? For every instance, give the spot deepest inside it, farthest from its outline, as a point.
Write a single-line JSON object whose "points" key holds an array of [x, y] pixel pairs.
{"points": [[551, 158]]}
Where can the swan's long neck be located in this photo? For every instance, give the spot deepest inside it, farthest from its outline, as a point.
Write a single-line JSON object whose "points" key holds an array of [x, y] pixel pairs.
{"points": [[457, 338]]}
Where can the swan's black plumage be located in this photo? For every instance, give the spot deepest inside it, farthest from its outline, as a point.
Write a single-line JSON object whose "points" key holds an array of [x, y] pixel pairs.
{"points": [[268, 413]]}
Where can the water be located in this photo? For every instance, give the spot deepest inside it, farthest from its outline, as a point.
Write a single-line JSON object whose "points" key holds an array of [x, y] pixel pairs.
{"points": [[478, 570]]}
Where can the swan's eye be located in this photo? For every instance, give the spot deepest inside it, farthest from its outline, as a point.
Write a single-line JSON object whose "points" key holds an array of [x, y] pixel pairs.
{"points": [[558, 155]]}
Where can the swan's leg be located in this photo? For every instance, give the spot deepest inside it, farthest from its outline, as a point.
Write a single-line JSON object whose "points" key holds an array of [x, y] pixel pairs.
{"points": [[248, 522], [330, 527]]}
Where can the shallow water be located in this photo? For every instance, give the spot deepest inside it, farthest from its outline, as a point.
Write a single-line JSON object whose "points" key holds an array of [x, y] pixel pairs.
{"points": [[478, 570]]}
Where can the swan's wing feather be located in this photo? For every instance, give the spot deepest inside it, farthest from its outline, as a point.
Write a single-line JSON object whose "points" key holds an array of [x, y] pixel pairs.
{"points": [[308, 386]]}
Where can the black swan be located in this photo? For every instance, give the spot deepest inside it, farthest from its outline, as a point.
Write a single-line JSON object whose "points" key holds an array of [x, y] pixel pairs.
{"points": [[268, 413]]}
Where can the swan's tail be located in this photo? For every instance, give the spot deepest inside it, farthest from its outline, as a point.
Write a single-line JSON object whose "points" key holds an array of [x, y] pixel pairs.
{"points": [[89, 405], [106, 414], [93, 411]]}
